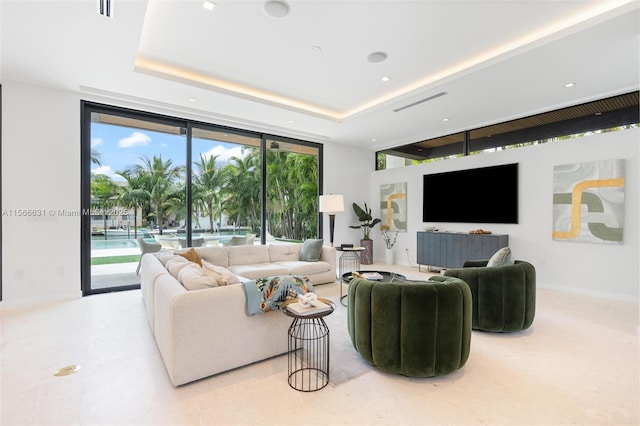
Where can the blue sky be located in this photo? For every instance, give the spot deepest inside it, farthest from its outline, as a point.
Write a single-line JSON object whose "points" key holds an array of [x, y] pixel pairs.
{"points": [[120, 147]]}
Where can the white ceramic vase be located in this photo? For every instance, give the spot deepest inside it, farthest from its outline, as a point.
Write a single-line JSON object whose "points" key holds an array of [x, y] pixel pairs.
{"points": [[389, 254]]}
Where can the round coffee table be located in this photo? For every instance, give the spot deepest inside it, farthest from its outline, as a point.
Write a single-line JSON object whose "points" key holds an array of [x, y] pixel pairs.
{"points": [[387, 277]]}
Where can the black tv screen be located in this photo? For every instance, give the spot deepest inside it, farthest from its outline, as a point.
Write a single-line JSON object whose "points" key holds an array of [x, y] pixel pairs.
{"points": [[482, 195]]}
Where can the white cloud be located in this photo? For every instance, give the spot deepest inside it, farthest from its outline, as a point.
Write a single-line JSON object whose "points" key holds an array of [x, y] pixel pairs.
{"points": [[102, 170], [107, 171], [134, 139], [96, 142], [224, 154]]}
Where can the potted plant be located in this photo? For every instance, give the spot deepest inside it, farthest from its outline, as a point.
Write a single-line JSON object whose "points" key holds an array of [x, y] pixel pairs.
{"points": [[367, 222], [390, 239]]}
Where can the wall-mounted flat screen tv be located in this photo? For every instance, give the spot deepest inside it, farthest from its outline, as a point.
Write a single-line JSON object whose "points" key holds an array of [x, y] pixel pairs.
{"points": [[482, 195]]}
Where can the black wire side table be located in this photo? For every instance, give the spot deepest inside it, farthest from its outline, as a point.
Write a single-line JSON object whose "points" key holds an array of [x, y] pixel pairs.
{"points": [[308, 349], [349, 261]]}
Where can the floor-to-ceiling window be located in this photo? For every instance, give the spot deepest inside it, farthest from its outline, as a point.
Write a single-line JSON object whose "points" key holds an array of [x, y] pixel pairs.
{"points": [[291, 199], [226, 184], [161, 180], [137, 190]]}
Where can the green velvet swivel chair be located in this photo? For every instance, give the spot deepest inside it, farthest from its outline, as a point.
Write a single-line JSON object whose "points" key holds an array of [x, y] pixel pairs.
{"points": [[504, 297], [412, 328]]}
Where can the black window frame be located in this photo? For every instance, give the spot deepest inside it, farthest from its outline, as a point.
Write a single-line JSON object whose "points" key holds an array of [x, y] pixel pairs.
{"points": [[89, 107]]}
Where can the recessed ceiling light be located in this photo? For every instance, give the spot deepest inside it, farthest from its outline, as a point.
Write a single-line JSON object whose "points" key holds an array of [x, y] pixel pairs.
{"points": [[193, 100], [376, 57], [385, 78], [290, 121], [373, 139], [276, 9], [208, 5], [569, 85], [445, 119]]}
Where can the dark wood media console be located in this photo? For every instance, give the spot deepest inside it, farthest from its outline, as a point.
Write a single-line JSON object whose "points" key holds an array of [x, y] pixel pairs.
{"points": [[452, 249]]}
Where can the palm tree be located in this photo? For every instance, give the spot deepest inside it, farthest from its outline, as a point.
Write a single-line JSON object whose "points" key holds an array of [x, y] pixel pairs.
{"points": [[207, 185], [302, 172], [95, 157], [104, 195], [292, 193], [159, 180], [242, 185], [133, 195]]}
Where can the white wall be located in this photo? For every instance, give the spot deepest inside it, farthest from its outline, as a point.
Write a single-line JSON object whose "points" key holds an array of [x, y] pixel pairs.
{"points": [[608, 270], [347, 171], [41, 170]]}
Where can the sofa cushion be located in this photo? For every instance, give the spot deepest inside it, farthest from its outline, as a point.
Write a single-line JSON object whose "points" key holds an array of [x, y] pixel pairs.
{"points": [[190, 254], [311, 250], [305, 268], [193, 278], [164, 255], [258, 270], [283, 252], [501, 258], [175, 264], [248, 255], [214, 255], [222, 275]]}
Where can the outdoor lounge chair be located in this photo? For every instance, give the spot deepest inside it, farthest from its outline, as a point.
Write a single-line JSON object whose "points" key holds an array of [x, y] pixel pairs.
{"points": [[145, 248]]}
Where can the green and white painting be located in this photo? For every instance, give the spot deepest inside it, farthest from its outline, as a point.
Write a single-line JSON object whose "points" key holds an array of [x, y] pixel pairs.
{"points": [[393, 206], [588, 202]]}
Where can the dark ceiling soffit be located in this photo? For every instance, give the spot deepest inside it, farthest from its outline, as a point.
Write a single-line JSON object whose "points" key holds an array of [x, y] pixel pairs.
{"points": [[606, 120], [417, 153]]}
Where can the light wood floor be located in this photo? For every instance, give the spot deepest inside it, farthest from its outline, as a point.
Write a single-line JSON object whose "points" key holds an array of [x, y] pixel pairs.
{"points": [[578, 364]]}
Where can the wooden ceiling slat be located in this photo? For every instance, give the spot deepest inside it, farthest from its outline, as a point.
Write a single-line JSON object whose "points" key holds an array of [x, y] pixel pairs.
{"points": [[558, 116]]}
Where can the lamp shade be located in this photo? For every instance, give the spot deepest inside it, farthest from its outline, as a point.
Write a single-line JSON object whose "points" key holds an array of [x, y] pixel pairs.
{"points": [[331, 203]]}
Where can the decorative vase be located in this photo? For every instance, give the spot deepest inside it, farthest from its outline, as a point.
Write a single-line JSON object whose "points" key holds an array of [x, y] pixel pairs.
{"points": [[366, 256], [389, 254]]}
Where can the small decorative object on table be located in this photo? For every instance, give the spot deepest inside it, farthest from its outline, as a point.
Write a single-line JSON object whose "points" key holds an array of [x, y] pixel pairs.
{"points": [[480, 231], [308, 304], [371, 276]]}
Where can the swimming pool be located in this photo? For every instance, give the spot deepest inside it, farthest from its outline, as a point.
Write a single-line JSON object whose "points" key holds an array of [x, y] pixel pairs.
{"points": [[98, 242]]}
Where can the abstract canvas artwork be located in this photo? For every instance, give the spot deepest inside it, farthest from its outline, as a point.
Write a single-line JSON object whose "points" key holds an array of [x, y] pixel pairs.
{"points": [[393, 206], [588, 202]]}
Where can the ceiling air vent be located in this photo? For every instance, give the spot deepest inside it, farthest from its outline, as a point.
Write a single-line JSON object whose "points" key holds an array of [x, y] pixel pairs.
{"points": [[104, 8], [420, 101]]}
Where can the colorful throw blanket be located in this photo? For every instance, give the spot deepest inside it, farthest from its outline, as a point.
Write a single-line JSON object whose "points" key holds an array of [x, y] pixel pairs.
{"points": [[266, 294]]}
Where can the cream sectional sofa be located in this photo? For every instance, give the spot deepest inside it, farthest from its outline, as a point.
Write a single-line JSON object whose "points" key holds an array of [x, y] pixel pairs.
{"points": [[204, 332]]}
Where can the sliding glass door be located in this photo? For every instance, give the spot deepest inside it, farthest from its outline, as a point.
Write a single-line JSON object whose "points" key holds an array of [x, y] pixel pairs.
{"points": [[153, 182], [226, 185], [137, 191]]}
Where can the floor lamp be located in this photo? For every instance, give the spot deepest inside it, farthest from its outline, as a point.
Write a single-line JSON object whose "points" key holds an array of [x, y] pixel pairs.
{"points": [[331, 204]]}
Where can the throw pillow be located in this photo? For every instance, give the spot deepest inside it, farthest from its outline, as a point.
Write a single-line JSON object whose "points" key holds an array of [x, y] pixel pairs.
{"points": [[192, 278], [311, 250], [174, 265], [501, 258], [164, 255], [191, 255], [222, 275]]}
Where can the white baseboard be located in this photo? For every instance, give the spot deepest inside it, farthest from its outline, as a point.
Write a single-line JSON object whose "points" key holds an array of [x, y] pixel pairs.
{"points": [[36, 301]]}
